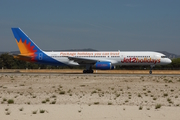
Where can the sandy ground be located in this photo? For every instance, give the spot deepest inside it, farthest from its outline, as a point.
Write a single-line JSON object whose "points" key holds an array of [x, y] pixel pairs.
{"points": [[87, 97]]}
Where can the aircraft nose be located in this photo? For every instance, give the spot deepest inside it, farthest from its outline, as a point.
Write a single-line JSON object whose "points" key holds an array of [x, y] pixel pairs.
{"points": [[169, 61]]}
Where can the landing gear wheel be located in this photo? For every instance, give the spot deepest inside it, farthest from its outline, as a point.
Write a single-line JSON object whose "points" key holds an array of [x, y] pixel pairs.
{"points": [[151, 68], [88, 71], [84, 71]]}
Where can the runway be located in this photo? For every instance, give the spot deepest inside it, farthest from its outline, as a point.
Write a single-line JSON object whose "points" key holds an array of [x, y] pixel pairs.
{"points": [[95, 74]]}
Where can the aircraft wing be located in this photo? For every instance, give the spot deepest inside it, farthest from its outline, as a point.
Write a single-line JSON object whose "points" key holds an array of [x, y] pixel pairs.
{"points": [[83, 60]]}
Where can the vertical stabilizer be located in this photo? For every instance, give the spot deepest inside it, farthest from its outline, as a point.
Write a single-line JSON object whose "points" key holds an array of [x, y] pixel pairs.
{"points": [[25, 44]]}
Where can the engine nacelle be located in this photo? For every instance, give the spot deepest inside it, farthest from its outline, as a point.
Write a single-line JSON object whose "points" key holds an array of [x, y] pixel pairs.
{"points": [[103, 66]]}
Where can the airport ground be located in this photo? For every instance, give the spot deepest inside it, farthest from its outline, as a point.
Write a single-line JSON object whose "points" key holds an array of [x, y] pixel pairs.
{"points": [[89, 96], [79, 71]]}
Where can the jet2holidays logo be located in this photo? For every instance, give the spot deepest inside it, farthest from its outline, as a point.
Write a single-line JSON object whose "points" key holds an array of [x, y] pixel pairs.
{"points": [[137, 60]]}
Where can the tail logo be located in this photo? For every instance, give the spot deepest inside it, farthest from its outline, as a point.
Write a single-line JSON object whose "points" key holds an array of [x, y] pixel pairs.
{"points": [[25, 47]]}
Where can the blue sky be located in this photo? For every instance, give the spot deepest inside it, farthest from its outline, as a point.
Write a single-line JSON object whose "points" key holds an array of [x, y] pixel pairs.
{"points": [[152, 25]]}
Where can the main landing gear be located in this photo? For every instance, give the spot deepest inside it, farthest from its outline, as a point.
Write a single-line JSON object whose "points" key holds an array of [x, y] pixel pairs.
{"points": [[88, 69], [151, 68]]}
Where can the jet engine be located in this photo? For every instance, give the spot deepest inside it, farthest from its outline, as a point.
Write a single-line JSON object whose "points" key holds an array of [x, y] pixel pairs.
{"points": [[104, 66]]}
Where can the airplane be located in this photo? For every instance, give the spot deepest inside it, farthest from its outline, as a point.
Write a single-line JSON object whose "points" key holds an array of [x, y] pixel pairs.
{"points": [[100, 60]]}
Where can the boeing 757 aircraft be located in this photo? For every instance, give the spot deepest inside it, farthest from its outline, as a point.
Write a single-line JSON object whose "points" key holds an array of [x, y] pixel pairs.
{"points": [[102, 60]]}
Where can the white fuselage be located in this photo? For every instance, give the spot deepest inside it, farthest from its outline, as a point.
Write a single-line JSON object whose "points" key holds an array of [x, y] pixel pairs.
{"points": [[115, 57]]}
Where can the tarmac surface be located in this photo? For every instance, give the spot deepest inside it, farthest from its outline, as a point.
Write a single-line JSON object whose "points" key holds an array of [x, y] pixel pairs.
{"points": [[99, 74]]}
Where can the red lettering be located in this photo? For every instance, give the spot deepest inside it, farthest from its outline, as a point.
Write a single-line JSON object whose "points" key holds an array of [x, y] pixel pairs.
{"points": [[136, 60]]}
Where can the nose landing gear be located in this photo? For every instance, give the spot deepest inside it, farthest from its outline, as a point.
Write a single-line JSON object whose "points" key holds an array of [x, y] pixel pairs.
{"points": [[151, 68]]}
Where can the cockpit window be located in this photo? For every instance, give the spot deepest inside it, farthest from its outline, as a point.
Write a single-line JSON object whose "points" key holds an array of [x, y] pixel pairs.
{"points": [[163, 56]]}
